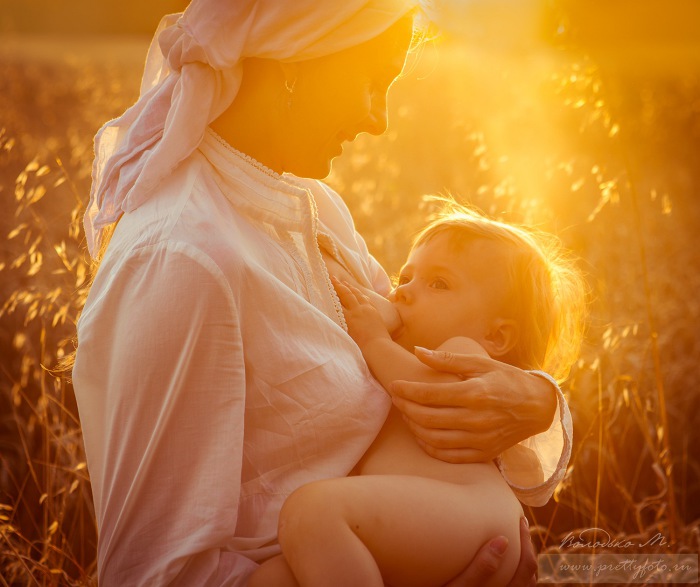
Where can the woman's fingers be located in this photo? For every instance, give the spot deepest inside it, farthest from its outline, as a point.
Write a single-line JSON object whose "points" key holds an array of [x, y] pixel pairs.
{"points": [[464, 365], [443, 437], [489, 558], [429, 394], [457, 456], [474, 394], [504, 404], [478, 429], [453, 446], [443, 417], [484, 565], [491, 409]]}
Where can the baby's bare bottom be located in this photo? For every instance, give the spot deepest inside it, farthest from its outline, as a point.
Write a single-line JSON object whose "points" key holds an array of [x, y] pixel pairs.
{"points": [[397, 530]]}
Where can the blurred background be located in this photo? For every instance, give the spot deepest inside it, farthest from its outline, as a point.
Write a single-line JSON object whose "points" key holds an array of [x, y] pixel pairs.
{"points": [[581, 117], [85, 17]]}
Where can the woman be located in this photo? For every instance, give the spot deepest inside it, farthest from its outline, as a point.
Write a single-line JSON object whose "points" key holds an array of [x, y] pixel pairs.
{"points": [[214, 374]]}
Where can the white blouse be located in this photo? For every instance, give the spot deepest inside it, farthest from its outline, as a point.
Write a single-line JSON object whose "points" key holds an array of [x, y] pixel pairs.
{"points": [[214, 375]]}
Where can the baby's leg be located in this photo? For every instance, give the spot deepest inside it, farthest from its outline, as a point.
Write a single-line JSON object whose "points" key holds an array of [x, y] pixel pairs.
{"points": [[274, 571], [399, 530]]}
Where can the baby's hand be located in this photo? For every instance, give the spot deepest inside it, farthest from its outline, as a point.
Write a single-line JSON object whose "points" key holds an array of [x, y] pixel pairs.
{"points": [[364, 321]]}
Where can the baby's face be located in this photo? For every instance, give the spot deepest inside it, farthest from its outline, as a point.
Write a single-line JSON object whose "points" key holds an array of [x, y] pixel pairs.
{"points": [[447, 289]]}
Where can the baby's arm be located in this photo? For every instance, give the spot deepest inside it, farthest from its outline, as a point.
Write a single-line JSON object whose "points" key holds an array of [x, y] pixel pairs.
{"points": [[387, 360]]}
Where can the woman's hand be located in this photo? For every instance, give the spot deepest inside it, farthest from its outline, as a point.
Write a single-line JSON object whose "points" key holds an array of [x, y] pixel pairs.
{"points": [[494, 407], [488, 560]]}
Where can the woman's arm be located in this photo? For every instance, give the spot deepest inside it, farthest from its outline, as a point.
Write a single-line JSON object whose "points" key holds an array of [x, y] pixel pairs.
{"points": [[490, 409], [481, 416], [160, 382]]}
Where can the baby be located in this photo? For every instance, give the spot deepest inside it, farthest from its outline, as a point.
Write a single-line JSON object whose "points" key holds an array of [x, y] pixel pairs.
{"points": [[471, 285]]}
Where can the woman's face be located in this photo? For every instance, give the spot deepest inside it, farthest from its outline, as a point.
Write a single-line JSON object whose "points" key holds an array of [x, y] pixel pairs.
{"points": [[335, 98]]}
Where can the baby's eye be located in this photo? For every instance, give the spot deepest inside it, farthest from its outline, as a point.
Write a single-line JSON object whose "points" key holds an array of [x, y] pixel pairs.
{"points": [[403, 280], [439, 283]]}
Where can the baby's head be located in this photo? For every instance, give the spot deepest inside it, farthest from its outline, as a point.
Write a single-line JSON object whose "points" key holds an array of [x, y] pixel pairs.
{"points": [[512, 289]]}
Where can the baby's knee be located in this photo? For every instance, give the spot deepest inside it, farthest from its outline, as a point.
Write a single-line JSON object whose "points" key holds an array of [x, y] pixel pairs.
{"points": [[308, 514]]}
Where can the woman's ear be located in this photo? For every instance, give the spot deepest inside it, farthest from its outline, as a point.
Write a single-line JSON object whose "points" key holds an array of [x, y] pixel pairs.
{"points": [[502, 337]]}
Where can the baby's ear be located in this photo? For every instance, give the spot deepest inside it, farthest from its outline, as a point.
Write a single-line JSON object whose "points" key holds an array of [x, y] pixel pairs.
{"points": [[502, 337]]}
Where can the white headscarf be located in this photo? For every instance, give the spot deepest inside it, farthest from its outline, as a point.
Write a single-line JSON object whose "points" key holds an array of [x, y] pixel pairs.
{"points": [[193, 72]]}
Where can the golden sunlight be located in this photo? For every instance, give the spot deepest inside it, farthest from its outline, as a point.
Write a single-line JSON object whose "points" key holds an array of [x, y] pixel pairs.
{"points": [[581, 117]]}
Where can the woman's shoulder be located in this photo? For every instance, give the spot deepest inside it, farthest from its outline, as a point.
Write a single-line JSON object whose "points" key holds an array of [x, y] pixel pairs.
{"points": [[183, 221]]}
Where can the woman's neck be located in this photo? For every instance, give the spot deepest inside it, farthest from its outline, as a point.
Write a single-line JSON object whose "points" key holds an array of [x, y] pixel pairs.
{"points": [[251, 123]]}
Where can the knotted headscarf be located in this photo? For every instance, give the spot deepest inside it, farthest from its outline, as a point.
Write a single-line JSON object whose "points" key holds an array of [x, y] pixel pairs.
{"points": [[193, 72]]}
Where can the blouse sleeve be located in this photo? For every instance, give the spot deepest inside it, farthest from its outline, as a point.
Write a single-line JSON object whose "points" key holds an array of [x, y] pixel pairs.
{"points": [[534, 467], [160, 382]]}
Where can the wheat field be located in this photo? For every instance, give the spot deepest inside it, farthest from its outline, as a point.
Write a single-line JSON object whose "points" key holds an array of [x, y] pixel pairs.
{"points": [[604, 152]]}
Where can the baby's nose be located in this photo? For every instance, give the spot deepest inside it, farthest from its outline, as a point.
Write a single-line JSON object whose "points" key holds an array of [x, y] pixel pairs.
{"points": [[401, 293]]}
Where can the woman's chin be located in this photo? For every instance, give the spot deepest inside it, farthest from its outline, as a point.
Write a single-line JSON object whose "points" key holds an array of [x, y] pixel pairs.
{"points": [[314, 163], [316, 169]]}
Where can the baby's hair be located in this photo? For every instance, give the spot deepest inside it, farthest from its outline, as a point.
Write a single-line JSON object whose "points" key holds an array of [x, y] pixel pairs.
{"points": [[547, 291]]}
